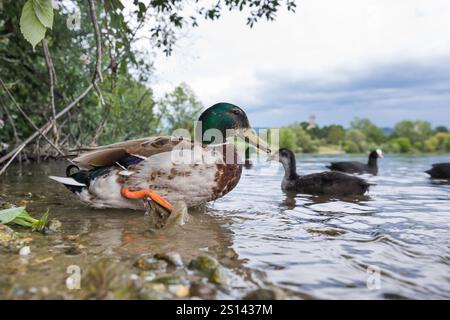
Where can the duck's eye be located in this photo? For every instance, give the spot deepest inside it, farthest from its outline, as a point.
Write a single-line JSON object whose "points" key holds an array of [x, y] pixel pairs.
{"points": [[236, 111]]}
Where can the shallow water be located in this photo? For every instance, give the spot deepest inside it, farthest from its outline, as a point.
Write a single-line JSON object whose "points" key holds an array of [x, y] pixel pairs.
{"points": [[395, 243]]}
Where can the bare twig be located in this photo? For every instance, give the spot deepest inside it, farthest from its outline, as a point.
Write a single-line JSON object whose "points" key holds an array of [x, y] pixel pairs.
{"points": [[108, 35], [97, 71], [29, 119], [105, 114], [37, 149], [65, 139], [45, 128], [51, 75], [98, 42], [12, 158], [99, 94]]}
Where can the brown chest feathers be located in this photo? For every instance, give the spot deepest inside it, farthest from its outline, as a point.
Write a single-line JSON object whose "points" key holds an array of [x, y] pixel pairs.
{"points": [[228, 173]]}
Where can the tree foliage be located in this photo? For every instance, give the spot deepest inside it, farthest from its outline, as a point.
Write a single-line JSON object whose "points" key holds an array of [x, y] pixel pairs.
{"points": [[416, 131], [373, 133], [288, 139], [166, 16], [122, 104], [181, 108], [363, 136]]}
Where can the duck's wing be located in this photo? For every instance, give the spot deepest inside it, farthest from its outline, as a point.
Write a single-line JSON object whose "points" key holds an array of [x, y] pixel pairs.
{"points": [[332, 183], [442, 165], [348, 166], [141, 148]]}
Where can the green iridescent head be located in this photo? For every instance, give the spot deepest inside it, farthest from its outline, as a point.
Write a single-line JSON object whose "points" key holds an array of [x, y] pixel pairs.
{"points": [[228, 118], [223, 116]]}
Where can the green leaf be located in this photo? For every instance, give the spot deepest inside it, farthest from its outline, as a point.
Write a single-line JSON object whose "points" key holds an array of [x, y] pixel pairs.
{"points": [[22, 222], [40, 224], [44, 12], [32, 29], [123, 67], [24, 215], [142, 7], [8, 215], [116, 4], [22, 218]]}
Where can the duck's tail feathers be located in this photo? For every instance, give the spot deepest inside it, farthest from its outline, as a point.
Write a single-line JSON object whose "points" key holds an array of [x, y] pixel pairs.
{"points": [[68, 181]]}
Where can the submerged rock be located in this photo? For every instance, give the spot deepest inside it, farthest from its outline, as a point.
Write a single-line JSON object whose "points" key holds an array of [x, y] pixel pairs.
{"points": [[204, 264], [154, 291], [101, 280], [266, 294], [11, 241], [143, 262], [179, 290], [172, 258], [24, 202], [6, 234], [5, 205], [210, 268], [149, 262], [25, 251], [54, 225], [170, 280], [202, 290], [71, 237], [72, 250]]}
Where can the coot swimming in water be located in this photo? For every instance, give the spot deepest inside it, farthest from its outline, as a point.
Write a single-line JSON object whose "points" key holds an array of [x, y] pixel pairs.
{"points": [[330, 183], [359, 167], [440, 171]]}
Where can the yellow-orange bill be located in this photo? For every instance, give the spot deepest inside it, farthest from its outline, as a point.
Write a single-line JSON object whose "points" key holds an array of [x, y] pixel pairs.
{"points": [[255, 140]]}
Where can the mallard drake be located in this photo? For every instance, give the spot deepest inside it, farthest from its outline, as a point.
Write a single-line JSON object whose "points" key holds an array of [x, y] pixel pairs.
{"points": [[359, 167], [328, 183], [165, 169]]}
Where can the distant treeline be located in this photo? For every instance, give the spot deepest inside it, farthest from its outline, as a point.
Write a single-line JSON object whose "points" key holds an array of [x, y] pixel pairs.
{"points": [[363, 135]]}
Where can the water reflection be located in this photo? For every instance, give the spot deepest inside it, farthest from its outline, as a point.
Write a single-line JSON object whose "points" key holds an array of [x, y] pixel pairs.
{"points": [[292, 200], [440, 182]]}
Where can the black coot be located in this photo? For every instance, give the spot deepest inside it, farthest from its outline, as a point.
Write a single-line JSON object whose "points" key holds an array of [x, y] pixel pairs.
{"points": [[359, 167], [324, 183], [440, 171]]}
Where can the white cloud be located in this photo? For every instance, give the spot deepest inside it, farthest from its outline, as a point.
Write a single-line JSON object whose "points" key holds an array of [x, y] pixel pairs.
{"points": [[328, 41]]}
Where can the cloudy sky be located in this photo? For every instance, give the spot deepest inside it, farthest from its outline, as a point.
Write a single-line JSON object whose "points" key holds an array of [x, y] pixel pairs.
{"points": [[384, 59]]}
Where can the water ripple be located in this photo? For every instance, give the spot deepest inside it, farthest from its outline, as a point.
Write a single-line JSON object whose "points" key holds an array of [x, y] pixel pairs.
{"points": [[324, 246]]}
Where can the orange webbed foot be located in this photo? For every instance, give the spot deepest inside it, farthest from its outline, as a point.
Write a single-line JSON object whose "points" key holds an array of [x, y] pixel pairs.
{"points": [[146, 193]]}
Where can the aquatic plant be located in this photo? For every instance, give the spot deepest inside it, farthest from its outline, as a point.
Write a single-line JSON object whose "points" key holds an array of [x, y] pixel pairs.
{"points": [[20, 216]]}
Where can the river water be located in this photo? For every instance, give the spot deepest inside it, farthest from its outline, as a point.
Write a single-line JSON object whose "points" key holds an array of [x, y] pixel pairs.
{"points": [[392, 244]]}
